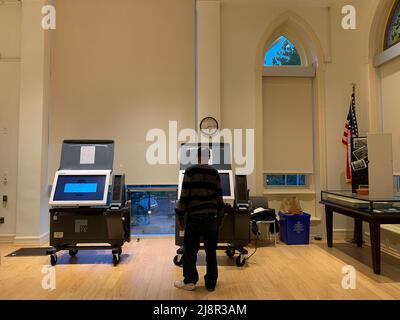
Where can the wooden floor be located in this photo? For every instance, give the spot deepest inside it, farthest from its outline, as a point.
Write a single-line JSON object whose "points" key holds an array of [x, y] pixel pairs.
{"points": [[147, 272]]}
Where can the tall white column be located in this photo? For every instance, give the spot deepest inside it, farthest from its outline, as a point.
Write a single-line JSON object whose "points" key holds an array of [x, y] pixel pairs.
{"points": [[209, 59], [32, 210]]}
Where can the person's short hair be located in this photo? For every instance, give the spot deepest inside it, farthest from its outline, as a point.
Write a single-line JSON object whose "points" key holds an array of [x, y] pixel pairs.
{"points": [[202, 152]]}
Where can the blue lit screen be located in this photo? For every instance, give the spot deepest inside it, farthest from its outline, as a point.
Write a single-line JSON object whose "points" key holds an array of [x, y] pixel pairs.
{"points": [[80, 188]]}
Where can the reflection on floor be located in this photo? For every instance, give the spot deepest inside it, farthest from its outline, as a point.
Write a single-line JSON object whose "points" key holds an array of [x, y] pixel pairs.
{"points": [[147, 272]]}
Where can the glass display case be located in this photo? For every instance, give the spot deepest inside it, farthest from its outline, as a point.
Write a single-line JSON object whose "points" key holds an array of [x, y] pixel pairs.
{"points": [[365, 203]]}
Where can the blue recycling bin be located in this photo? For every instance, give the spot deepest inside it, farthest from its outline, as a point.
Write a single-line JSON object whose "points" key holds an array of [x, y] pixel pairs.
{"points": [[295, 228]]}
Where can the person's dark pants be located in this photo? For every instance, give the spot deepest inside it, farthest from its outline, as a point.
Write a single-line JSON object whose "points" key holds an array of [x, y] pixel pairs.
{"points": [[207, 228]]}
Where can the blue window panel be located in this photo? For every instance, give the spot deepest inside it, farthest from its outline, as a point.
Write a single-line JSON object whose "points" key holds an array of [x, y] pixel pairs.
{"points": [[295, 180], [276, 180], [290, 180]]}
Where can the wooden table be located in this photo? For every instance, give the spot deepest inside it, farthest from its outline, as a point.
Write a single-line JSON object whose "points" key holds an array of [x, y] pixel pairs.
{"points": [[375, 221]]}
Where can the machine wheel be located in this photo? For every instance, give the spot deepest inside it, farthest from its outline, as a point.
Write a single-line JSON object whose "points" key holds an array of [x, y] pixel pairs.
{"points": [[178, 260], [53, 259], [73, 253], [241, 260], [116, 259], [230, 252]]}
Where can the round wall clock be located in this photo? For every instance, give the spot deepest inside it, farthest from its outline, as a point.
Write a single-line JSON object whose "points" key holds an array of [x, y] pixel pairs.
{"points": [[209, 126]]}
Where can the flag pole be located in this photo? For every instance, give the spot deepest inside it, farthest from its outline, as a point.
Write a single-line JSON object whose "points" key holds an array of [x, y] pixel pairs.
{"points": [[356, 228]]}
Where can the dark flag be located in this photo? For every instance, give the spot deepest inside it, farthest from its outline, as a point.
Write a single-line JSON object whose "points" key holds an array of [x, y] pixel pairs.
{"points": [[350, 130]]}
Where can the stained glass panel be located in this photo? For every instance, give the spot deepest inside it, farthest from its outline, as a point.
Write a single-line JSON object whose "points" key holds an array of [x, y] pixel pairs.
{"points": [[393, 30]]}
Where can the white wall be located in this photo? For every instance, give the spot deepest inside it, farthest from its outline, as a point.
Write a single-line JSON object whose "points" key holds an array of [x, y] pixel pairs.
{"points": [[10, 20], [243, 25], [390, 83], [349, 64], [119, 71], [32, 189], [92, 79], [209, 59]]}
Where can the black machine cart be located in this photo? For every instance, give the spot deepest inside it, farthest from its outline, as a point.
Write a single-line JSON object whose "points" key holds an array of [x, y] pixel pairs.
{"points": [[71, 229], [78, 225]]}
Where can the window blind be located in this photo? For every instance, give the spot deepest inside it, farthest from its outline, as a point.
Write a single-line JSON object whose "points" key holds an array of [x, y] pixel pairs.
{"points": [[288, 125]]}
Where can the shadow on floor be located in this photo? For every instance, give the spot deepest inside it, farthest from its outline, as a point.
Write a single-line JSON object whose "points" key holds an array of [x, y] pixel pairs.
{"points": [[361, 259], [90, 257], [223, 260]]}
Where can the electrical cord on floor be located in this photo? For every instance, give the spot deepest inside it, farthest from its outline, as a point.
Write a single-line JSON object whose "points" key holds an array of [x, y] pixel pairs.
{"points": [[256, 247]]}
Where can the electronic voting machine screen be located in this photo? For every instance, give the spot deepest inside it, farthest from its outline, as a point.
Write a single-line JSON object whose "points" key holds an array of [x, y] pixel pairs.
{"points": [[80, 188]]}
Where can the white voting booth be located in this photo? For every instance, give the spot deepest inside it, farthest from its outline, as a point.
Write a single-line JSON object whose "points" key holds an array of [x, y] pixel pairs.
{"points": [[380, 172]]}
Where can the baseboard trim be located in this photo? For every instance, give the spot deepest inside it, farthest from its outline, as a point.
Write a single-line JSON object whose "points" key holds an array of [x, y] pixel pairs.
{"points": [[32, 240], [385, 247], [341, 234], [7, 238]]}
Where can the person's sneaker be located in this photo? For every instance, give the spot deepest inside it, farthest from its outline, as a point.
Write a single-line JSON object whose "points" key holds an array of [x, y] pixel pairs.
{"points": [[211, 287], [185, 286]]}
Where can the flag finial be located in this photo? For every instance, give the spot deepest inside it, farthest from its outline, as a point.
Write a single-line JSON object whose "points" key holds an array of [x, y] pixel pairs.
{"points": [[354, 87]]}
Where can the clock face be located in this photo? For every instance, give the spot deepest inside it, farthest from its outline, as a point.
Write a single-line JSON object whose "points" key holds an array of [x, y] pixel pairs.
{"points": [[209, 126]]}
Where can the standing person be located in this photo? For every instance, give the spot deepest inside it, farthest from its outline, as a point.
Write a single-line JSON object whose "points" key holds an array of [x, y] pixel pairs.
{"points": [[201, 202]]}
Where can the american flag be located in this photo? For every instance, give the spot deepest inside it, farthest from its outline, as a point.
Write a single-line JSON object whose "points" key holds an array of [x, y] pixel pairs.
{"points": [[350, 130]]}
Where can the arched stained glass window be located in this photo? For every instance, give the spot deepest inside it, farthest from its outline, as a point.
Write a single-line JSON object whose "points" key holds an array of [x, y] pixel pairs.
{"points": [[282, 53], [393, 27]]}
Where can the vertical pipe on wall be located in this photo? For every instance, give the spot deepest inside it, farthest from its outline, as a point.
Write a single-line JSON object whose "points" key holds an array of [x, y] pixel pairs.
{"points": [[328, 55], [196, 69], [377, 125]]}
